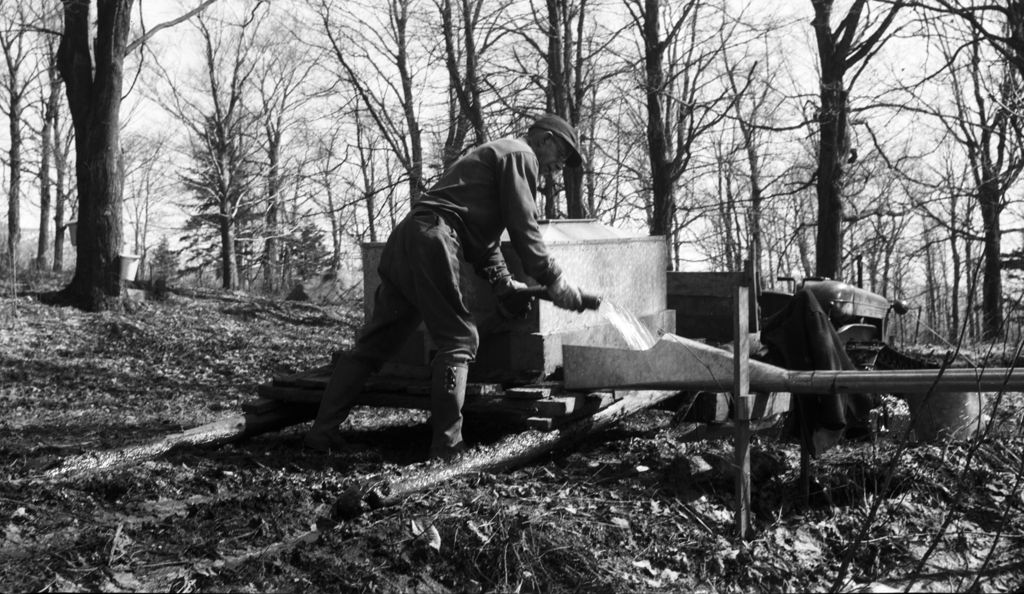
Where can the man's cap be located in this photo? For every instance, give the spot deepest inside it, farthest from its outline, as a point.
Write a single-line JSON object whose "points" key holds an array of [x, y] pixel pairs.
{"points": [[563, 130]]}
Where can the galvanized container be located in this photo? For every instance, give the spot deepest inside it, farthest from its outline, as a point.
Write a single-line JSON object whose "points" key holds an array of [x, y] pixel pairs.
{"points": [[625, 269]]}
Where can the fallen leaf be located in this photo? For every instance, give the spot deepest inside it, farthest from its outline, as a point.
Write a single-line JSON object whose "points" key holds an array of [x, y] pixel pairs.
{"points": [[119, 546], [433, 538], [429, 533], [126, 580], [669, 575], [621, 523], [477, 532]]}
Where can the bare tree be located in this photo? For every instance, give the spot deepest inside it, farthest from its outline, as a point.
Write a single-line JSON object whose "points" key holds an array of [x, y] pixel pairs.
{"points": [[18, 74], [471, 29], [754, 115], [568, 41], [282, 78], [147, 181], [224, 173], [839, 51], [386, 51], [63, 186], [997, 24], [51, 101], [465, 80], [988, 123], [680, 107], [93, 80], [326, 164]]}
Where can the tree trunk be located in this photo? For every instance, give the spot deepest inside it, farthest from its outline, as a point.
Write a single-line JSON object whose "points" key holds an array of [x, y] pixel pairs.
{"points": [[464, 106], [989, 198], [14, 182], [575, 207], [550, 197], [335, 234], [94, 97], [833, 146], [561, 101], [409, 101], [272, 265], [663, 198], [475, 108], [61, 150], [46, 151], [228, 256]]}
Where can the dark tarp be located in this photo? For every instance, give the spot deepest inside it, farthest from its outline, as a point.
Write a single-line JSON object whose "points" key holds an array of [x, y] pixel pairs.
{"points": [[801, 337]]}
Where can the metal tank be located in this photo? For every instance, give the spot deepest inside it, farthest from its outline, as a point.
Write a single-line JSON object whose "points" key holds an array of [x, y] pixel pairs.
{"points": [[627, 270]]}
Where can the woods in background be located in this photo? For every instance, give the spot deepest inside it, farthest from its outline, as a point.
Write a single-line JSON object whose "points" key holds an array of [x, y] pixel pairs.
{"points": [[877, 140]]}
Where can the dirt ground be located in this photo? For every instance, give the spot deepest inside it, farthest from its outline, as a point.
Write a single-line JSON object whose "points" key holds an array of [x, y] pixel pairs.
{"points": [[640, 507]]}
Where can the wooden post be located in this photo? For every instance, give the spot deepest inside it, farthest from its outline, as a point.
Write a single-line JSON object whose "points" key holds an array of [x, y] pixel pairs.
{"points": [[743, 405]]}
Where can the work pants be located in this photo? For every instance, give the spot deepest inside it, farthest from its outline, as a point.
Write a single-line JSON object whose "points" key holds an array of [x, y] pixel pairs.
{"points": [[419, 271]]}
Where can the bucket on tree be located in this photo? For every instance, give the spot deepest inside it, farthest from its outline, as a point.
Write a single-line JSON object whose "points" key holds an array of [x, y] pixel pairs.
{"points": [[129, 266], [73, 232], [947, 415]]}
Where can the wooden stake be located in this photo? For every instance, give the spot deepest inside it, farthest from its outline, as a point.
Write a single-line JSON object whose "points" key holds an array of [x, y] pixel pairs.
{"points": [[743, 404]]}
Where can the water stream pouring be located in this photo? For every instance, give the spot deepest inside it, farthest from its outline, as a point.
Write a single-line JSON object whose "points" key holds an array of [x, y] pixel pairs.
{"points": [[633, 331], [637, 336]]}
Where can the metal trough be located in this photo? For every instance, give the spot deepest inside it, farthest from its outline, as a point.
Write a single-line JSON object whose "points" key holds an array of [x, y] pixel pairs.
{"points": [[677, 363]]}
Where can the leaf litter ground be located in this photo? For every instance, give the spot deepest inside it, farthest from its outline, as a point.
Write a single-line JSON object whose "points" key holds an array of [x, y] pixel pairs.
{"points": [[640, 507]]}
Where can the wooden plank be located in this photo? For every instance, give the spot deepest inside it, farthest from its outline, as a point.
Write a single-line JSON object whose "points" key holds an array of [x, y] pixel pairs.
{"points": [[541, 423], [484, 389], [528, 393], [476, 403], [472, 389]]}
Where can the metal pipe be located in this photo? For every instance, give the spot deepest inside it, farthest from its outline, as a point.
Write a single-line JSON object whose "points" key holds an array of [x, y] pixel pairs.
{"points": [[923, 380]]}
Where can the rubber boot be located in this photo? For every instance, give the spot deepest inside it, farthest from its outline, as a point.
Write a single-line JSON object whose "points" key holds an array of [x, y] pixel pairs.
{"points": [[447, 394], [339, 397]]}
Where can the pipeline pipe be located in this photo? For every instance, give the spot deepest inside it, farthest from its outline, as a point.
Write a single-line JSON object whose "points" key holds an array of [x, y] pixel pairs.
{"points": [[949, 380]]}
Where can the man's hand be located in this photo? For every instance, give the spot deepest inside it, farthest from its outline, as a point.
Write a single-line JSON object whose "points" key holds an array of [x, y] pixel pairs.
{"points": [[511, 303], [565, 295]]}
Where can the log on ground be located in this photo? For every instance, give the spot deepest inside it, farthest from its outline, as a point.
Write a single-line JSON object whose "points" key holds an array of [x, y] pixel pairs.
{"points": [[512, 452], [218, 432]]}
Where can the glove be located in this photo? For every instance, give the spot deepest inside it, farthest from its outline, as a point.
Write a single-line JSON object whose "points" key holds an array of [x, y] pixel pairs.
{"points": [[511, 303], [565, 295]]}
